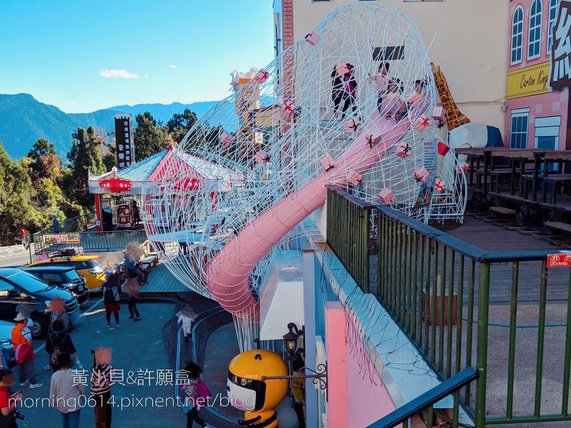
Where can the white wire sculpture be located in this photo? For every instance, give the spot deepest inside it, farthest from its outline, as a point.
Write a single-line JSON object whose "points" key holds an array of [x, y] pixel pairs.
{"points": [[325, 112]]}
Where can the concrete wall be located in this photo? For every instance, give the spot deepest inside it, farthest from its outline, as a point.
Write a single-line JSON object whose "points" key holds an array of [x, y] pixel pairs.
{"points": [[470, 44]]}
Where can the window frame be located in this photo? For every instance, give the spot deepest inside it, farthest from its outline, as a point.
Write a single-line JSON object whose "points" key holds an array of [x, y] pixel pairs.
{"points": [[515, 114], [536, 29], [553, 7], [519, 8]]}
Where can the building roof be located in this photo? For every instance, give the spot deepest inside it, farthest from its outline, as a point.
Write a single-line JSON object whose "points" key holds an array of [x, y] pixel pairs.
{"points": [[154, 168]]}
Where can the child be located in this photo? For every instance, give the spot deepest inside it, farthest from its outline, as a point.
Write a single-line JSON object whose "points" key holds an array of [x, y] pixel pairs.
{"points": [[101, 386], [381, 80], [394, 105], [194, 395], [111, 297]]}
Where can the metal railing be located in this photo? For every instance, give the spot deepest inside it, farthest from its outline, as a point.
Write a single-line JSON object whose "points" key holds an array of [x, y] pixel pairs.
{"points": [[463, 306], [348, 233], [427, 400], [89, 240]]}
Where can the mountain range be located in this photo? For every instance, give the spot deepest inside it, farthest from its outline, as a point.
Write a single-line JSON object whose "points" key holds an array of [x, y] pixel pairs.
{"points": [[23, 120]]}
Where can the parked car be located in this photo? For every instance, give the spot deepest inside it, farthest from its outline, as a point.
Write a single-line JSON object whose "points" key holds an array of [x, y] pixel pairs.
{"points": [[6, 339], [64, 277], [22, 289], [89, 267]]}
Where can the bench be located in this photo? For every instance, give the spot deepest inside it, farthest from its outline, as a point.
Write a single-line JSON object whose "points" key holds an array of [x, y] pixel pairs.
{"points": [[558, 225], [503, 210]]}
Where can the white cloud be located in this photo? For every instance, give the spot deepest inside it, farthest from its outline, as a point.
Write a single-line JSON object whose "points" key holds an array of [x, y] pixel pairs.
{"points": [[172, 66], [121, 74]]}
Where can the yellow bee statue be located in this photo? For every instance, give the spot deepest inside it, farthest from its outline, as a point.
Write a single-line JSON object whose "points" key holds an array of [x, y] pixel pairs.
{"points": [[248, 392]]}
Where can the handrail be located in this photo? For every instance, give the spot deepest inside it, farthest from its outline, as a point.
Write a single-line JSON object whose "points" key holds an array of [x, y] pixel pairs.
{"points": [[357, 201], [427, 399], [456, 244]]}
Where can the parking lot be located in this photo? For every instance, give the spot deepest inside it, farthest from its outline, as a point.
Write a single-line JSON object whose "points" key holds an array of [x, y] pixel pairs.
{"points": [[145, 398]]}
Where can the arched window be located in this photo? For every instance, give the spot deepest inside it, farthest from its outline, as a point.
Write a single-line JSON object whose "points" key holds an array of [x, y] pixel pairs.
{"points": [[534, 40], [553, 10], [517, 35]]}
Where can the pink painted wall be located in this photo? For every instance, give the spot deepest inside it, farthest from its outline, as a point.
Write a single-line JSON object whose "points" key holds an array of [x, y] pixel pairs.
{"points": [[543, 105], [354, 400], [526, 4]]}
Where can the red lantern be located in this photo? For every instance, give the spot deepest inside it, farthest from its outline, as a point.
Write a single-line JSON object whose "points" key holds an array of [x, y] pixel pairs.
{"points": [[115, 185]]}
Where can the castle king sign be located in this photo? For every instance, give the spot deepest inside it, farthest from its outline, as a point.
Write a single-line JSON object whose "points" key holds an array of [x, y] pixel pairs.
{"points": [[527, 81], [561, 49]]}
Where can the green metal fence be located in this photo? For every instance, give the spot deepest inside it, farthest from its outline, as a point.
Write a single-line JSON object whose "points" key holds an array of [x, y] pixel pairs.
{"points": [[348, 229], [506, 314]]}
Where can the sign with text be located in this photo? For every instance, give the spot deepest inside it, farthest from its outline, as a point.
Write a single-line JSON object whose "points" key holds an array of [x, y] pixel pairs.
{"points": [[124, 143], [561, 48], [559, 260], [528, 81], [388, 53]]}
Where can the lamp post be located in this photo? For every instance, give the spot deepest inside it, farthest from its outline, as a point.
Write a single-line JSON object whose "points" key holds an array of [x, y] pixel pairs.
{"points": [[319, 375], [290, 338]]}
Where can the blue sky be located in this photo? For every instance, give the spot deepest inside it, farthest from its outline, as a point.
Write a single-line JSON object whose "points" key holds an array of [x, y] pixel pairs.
{"points": [[66, 52]]}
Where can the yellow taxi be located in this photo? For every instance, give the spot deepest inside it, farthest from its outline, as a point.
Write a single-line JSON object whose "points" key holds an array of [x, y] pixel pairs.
{"points": [[90, 267]]}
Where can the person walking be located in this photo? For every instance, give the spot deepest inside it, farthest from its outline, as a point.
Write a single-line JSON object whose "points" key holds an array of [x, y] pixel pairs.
{"points": [[58, 313], [101, 387], [196, 394], [111, 297], [59, 342], [131, 287], [21, 337], [349, 94], [66, 393], [8, 400]]}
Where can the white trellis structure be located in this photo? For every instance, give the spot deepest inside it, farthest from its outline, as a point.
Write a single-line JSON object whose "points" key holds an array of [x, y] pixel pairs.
{"points": [[279, 141]]}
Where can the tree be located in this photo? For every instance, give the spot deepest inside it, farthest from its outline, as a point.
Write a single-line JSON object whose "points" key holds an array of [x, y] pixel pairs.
{"points": [[149, 137], [180, 124], [17, 210], [44, 161], [84, 157]]}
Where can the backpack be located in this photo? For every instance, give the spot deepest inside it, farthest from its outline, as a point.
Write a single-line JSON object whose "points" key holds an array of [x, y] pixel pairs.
{"points": [[54, 356], [108, 295]]}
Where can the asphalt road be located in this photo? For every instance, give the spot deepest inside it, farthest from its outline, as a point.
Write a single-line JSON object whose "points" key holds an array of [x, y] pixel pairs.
{"points": [[15, 261], [138, 356]]}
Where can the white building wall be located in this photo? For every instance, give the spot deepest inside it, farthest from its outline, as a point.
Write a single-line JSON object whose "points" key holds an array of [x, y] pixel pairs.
{"points": [[470, 44]]}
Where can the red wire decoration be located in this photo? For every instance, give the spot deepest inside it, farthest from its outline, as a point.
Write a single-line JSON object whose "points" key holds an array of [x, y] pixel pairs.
{"points": [[115, 185]]}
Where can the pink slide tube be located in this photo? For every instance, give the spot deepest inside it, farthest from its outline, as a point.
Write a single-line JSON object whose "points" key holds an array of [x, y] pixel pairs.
{"points": [[228, 272]]}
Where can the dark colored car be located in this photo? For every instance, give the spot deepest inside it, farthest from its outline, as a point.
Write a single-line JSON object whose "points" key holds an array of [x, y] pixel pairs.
{"points": [[64, 277], [21, 290]]}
